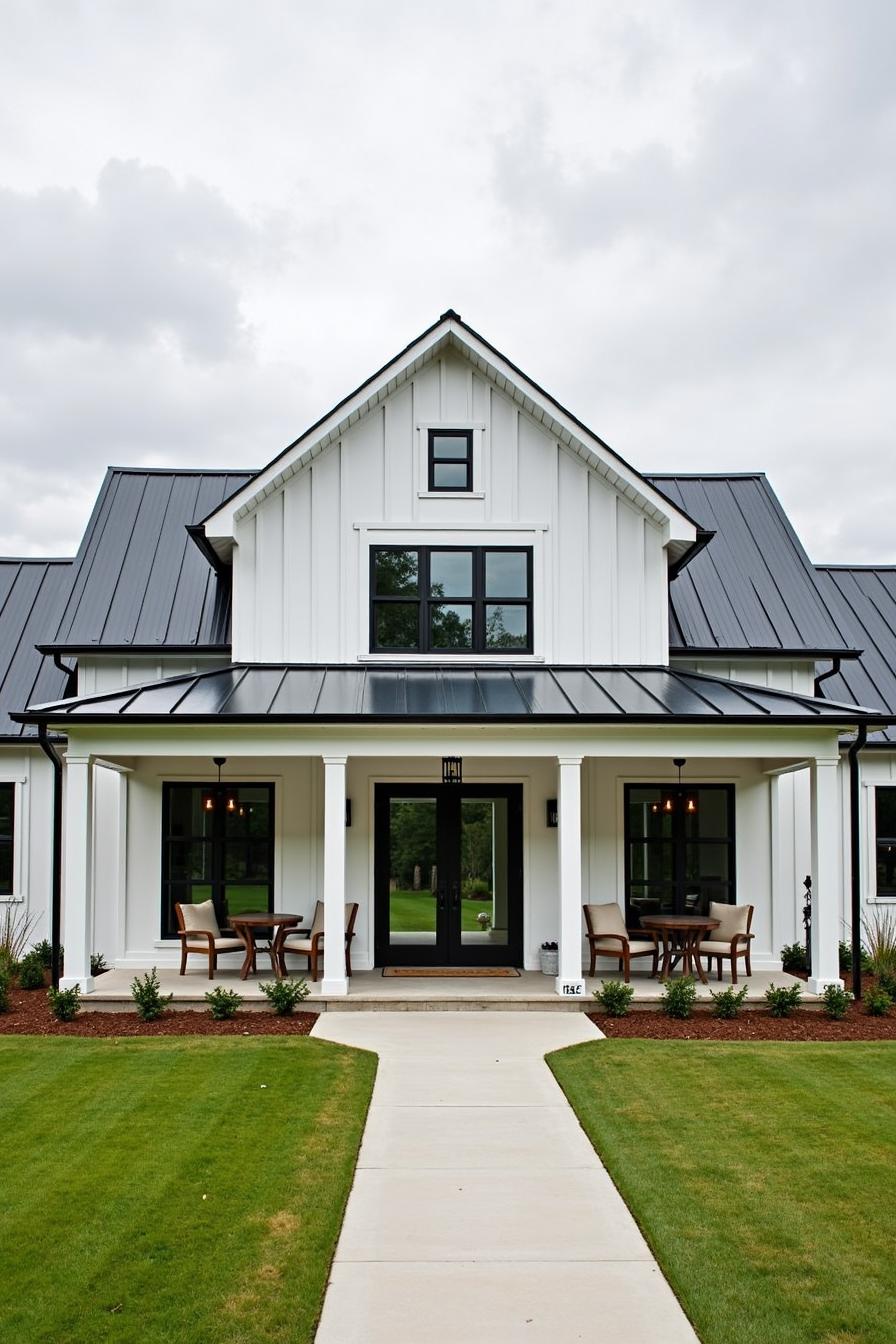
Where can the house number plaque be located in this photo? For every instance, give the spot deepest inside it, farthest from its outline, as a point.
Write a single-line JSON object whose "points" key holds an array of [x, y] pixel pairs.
{"points": [[572, 989]]}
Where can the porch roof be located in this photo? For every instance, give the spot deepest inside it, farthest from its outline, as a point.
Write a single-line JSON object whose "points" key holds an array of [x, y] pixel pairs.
{"points": [[294, 693]]}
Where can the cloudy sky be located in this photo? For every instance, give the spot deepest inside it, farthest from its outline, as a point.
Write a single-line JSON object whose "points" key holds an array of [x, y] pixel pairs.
{"points": [[217, 217]]}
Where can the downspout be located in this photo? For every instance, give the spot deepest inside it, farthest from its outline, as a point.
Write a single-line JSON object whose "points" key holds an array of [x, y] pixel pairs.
{"points": [[856, 856], [55, 853], [831, 672]]}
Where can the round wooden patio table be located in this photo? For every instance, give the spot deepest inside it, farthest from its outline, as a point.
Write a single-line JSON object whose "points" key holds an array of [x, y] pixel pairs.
{"points": [[251, 927], [682, 935]]}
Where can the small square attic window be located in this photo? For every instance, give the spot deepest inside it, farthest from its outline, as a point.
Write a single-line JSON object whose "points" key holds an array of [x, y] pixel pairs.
{"points": [[451, 459]]}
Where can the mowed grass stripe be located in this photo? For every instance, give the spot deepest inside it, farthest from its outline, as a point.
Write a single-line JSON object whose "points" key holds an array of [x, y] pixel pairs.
{"points": [[761, 1175], [105, 1230]]}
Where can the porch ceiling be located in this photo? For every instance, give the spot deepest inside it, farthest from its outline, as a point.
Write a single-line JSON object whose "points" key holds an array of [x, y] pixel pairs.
{"points": [[402, 693]]}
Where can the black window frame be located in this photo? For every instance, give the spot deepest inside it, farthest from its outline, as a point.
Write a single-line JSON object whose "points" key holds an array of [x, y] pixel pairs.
{"points": [[434, 460], [8, 841], [680, 840], [218, 841], [478, 600], [885, 893]]}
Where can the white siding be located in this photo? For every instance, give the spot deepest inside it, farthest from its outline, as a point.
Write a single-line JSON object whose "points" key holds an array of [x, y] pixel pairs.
{"points": [[32, 775], [108, 673], [300, 564]]}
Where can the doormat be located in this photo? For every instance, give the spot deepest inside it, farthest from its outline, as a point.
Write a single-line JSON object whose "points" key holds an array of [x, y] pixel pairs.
{"points": [[452, 972]]}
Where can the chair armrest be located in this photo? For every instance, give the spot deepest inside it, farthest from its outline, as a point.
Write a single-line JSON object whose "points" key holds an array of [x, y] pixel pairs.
{"points": [[606, 938], [197, 933], [638, 934], [741, 938]]}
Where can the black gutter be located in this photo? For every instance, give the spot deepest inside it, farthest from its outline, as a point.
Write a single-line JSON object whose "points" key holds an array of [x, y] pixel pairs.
{"points": [[139, 650], [856, 859], [831, 672], [759, 651], [606, 720], [704, 537], [197, 535], [55, 853]]}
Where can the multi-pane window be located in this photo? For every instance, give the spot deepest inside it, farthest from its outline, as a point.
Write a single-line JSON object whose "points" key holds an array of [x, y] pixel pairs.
{"points": [[218, 845], [885, 838], [440, 599], [451, 459], [679, 845], [7, 836]]}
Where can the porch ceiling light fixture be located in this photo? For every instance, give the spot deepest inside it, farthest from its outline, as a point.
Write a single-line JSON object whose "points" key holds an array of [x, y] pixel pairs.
{"points": [[452, 770], [227, 797], [669, 801]]}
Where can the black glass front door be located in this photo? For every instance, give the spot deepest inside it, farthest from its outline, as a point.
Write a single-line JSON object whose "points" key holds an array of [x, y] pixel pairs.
{"points": [[448, 875]]}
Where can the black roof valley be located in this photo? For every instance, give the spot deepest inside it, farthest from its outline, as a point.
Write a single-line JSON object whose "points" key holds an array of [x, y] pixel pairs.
{"points": [[31, 593]]}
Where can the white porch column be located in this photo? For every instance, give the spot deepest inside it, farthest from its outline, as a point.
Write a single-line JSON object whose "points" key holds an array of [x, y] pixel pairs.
{"points": [[77, 909], [334, 981], [569, 982], [827, 873]]}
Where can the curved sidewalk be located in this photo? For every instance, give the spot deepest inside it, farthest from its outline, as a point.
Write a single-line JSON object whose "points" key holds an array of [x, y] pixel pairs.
{"points": [[480, 1211]]}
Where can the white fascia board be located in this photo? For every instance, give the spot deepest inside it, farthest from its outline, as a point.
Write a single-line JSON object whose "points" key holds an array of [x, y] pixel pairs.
{"points": [[678, 530]]}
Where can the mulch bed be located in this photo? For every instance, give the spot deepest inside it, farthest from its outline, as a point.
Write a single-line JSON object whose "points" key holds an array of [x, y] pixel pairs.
{"points": [[30, 1015], [752, 1025]]}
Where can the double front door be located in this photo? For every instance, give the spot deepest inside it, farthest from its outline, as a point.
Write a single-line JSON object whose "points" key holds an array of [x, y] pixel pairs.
{"points": [[448, 875]]}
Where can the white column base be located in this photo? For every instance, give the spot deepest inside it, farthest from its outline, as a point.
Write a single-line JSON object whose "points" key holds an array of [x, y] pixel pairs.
{"points": [[818, 985], [334, 987], [84, 983], [569, 989]]}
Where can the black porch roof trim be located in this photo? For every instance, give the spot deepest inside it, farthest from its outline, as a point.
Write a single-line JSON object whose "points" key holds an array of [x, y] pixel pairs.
{"points": [[401, 693]]}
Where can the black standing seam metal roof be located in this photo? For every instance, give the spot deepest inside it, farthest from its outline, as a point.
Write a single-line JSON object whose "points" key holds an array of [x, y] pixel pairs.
{"points": [[31, 592], [862, 600], [752, 589], [139, 580], [291, 693]]}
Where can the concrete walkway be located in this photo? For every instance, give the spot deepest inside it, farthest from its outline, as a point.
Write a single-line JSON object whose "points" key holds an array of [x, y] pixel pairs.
{"points": [[480, 1213]]}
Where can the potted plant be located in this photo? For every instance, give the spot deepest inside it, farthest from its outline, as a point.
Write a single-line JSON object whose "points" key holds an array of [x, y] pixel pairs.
{"points": [[549, 954]]}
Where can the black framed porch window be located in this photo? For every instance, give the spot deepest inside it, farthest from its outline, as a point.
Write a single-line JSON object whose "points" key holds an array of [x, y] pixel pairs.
{"points": [[451, 459], [218, 845], [885, 841], [451, 599], [679, 849], [7, 836]]}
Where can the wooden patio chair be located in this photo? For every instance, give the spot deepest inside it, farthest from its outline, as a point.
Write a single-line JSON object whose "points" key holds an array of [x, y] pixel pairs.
{"points": [[731, 939], [309, 942], [608, 937], [198, 931]]}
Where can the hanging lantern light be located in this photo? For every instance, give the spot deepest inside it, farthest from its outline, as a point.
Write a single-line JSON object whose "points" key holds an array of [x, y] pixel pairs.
{"points": [[690, 801]]}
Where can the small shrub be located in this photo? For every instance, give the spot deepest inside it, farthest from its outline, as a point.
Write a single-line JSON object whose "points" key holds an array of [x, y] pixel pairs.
{"points": [[793, 958], [476, 886], [679, 997], [846, 958], [880, 939], [223, 1003], [98, 964], [615, 998], [836, 1001], [5, 979], [65, 1004], [887, 982], [285, 995], [145, 991], [44, 952], [728, 1002], [877, 1002], [782, 999], [31, 972]]}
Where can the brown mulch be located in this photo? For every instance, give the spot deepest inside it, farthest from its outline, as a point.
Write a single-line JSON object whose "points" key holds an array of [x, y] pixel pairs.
{"points": [[30, 1015], [752, 1025]]}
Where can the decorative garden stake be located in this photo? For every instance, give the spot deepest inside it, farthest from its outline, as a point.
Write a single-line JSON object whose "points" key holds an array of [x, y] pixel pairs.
{"points": [[807, 922]]}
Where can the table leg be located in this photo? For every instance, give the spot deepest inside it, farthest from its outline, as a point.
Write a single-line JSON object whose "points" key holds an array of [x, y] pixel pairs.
{"points": [[248, 938], [695, 953]]}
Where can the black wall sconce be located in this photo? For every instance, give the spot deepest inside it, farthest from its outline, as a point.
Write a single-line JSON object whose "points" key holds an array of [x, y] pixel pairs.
{"points": [[452, 770], [551, 819]]}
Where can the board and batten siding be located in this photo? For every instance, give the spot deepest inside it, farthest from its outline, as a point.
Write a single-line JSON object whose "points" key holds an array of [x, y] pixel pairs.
{"points": [[301, 572]]}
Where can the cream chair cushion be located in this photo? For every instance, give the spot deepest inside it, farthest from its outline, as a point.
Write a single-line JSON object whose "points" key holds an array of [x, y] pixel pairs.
{"points": [[636, 948], [221, 945], [200, 918], [607, 918], [714, 948], [733, 919], [296, 945]]}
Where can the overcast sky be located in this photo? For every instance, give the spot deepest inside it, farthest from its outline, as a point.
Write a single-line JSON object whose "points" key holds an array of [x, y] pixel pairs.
{"points": [[216, 218]]}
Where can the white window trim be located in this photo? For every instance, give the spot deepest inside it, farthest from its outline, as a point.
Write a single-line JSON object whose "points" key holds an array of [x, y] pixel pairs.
{"points": [[870, 883], [20, 831], [478, 427], [410, 536]]}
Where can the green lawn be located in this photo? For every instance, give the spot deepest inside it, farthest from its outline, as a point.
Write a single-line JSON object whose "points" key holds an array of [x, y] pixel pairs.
{"points": [[172, 1190], [763, 1176], [415, 911]]}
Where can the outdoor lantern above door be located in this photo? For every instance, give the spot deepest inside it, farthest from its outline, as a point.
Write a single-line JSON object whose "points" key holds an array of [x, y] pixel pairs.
{"points": [[218, 796]]}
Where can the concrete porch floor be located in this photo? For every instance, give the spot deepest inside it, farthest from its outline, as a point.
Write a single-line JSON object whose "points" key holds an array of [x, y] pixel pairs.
{"points": [[372, 991]]}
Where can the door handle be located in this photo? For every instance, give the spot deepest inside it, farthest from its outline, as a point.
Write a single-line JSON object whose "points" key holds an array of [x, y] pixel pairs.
{"points": [[440, 894], [455, 895]]}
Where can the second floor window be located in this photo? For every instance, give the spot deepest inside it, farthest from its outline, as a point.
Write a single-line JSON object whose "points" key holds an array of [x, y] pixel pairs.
{"points": [[451, 459], [453, 600]]}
